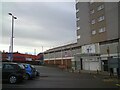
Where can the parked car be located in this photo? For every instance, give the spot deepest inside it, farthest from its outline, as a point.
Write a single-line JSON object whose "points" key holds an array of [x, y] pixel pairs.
{"points": [[31, 72], [12, 72], [36, 71]]}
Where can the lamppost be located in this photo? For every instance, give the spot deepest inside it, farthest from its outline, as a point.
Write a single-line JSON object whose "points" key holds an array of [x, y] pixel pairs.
{"points": [[11, 44], [118, 72]]}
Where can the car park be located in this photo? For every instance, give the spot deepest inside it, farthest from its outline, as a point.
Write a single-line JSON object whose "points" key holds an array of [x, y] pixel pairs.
{"points": [[12, 72]]}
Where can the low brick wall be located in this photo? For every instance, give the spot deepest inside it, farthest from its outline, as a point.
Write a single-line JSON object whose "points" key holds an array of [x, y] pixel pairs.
{"points": [[66, 63]]}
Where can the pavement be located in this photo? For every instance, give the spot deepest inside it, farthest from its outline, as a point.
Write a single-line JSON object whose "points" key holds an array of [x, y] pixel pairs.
{"points": [[105, 76]]}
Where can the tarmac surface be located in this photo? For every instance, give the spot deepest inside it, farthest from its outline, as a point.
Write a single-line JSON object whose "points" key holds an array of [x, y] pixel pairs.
{"points": [[51, 77]]}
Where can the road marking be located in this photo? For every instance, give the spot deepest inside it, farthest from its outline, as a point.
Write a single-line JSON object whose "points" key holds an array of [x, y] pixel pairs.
{"points": [[117, 85], [94, 76], [43, 76], [20, 85], [108, 80]]}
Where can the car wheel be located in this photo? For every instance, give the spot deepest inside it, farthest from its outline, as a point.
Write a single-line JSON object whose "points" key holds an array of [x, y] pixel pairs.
{"points": [[12, 79], [27, 76]]}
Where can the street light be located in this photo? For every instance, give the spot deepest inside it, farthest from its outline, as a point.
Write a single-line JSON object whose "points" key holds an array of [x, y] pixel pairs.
{"points": [[13, 17]]}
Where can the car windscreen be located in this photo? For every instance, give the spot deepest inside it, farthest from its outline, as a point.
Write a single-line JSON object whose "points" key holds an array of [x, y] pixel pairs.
{"points": [[32, 66], [21, 66]]}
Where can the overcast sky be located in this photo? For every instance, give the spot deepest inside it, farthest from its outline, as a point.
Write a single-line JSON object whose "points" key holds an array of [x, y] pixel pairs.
{"points": [[47, 24]]}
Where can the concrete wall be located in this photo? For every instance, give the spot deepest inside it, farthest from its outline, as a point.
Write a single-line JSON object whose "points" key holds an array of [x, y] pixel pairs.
{"points": [[112, 48], [111, 12], [84, 21]]}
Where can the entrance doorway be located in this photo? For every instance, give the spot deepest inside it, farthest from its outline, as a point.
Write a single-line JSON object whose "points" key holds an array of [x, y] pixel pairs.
{"points": [[81, 63], [105, 65]]}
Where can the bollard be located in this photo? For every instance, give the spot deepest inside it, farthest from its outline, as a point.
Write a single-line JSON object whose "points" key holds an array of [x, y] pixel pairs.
{"points": [[97, 71], [72, 70], [79, 70]]}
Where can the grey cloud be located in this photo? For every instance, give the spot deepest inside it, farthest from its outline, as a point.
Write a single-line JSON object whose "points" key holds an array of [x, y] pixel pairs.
{"points": [[45, 22]]}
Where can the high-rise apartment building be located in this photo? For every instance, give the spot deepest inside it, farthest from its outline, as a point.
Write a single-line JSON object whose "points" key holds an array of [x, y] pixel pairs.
{"points": [[98, 38], [96, 22], [98, 33]]}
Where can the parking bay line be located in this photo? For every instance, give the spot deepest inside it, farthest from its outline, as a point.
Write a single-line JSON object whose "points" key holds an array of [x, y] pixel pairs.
{"points": [[18, 84], [117, 84]]}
